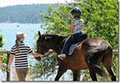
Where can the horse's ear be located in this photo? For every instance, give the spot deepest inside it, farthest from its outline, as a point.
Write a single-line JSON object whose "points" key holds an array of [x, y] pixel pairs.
{"points": [[39, 33]]}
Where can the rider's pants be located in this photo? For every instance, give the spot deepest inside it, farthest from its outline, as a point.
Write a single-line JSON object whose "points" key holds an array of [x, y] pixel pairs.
{"points": [[73, 38]]}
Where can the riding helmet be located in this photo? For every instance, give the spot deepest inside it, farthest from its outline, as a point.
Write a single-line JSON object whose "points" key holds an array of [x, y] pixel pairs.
{"points": [[76, 10]]}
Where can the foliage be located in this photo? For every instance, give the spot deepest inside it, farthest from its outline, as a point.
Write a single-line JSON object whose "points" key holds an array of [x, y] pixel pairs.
{"points": [[45, 67], [1, 44], [58, 20], [101, 20], [3, 58]]}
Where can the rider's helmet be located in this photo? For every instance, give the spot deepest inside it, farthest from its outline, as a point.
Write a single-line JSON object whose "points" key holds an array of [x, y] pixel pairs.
{"points": [[76, 10]]}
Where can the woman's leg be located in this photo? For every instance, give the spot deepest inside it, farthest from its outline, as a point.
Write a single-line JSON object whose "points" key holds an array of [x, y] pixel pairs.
{"points": [[21, 73]]}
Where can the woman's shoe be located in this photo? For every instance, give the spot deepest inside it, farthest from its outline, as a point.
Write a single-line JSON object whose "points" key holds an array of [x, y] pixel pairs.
{"points": [[62, 56]]}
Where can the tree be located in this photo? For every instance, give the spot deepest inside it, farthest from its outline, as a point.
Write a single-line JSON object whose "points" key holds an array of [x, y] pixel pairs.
{"points": [[3, 58], [58, 20], [101, 20]]}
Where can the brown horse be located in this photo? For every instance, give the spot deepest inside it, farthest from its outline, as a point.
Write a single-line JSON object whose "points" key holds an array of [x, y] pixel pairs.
{"points": [[88, 55]]}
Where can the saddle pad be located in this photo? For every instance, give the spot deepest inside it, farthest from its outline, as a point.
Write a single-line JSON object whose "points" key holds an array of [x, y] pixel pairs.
{"points": [[72, 48]]}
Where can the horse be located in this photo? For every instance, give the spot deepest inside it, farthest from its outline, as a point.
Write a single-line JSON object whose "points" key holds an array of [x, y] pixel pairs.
{"points": [[89, 54]]}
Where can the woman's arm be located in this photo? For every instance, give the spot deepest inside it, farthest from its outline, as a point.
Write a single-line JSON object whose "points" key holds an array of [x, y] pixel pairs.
{"points": [[36, 54], [10, 62]]}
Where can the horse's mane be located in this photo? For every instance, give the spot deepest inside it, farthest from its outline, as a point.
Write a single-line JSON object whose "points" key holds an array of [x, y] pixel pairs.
{"points": [[56, 41], [55, 35]]}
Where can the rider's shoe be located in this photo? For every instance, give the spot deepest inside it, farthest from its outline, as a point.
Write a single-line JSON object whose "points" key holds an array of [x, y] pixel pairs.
{"points": [[62, 56]]}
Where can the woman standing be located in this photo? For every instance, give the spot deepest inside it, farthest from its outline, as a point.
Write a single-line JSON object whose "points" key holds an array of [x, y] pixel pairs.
{"points": [[20, 51]]}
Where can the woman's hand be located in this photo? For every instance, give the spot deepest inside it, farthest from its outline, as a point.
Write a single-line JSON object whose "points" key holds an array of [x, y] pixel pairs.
{"points": [[41, 55], [38, 57], [36, 54], [8, 68]]}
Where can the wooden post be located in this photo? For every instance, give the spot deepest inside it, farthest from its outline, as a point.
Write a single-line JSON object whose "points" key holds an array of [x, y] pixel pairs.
{"points": [[8, 73], [115, 51]]}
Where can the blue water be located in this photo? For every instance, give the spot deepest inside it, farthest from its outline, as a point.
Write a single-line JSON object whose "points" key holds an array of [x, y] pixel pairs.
{"points": [[9, 30]]}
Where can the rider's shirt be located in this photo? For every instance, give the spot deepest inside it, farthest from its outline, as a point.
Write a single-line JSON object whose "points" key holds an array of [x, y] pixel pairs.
{"points": [[78, 25]]}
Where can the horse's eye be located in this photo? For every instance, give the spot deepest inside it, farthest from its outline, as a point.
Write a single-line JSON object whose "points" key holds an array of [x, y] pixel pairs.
{"points": [[40, 44]]}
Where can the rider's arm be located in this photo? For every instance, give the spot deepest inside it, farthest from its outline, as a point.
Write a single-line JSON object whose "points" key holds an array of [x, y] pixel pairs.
{"points": [[82, 26], [72, 27], [82, 23]]}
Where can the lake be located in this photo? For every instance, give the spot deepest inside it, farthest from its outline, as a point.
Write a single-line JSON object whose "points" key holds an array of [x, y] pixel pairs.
{"points": [[9, 30]]}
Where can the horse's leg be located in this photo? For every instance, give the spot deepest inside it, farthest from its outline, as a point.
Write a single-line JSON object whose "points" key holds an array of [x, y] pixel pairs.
{"points": [[92, 74], [110, 71], [107, 62], [76, 75], [91, 67], [60, 72], [109, 68]]}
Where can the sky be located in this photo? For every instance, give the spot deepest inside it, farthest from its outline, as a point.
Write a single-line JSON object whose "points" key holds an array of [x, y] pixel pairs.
{"points": [[4, 3]]}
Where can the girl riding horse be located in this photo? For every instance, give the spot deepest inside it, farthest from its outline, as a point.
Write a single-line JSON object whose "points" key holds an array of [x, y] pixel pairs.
{"points": [[76, 29]]}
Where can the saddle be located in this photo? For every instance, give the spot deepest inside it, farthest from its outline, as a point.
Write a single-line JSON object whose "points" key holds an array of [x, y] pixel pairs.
{"points": [[73, 46]]}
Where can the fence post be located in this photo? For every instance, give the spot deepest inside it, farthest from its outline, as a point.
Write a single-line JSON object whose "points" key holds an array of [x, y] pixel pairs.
{"points": [[8, 73]]}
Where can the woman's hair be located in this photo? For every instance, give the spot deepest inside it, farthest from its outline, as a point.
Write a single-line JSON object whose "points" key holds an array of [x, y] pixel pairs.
{"points": [[16, 42], [19, 36]]}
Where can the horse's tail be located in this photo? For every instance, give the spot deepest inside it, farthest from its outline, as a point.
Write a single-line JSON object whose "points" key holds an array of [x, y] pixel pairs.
{"points": [[94, 56]]}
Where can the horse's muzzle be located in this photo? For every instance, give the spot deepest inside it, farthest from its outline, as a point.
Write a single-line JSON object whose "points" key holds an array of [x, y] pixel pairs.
{"points": [[38, 58], [39, 52]]}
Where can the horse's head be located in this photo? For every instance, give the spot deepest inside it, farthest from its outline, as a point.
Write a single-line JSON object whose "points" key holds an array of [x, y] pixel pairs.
{"points": [[46, 42], [43, 43]]}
